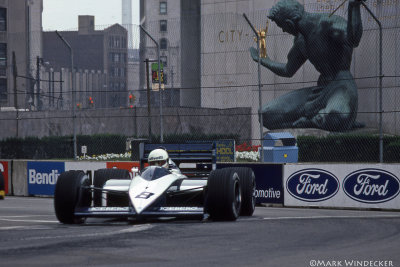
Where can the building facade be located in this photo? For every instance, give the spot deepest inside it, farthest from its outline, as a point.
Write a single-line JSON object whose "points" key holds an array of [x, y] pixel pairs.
{"points": [[175, 25], [100, 62], [20, 38]]}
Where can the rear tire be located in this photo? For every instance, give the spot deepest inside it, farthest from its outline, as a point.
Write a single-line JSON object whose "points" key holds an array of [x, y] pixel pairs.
{"points": [[69, 194], [248, 186], [101, 176], [223, 200]]}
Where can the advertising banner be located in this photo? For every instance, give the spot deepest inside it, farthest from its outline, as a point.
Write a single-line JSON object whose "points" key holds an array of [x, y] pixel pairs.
{"points": [[4, 171], [155, 76], [42, 177], [225, 150], [269, 187], [343, 185]]}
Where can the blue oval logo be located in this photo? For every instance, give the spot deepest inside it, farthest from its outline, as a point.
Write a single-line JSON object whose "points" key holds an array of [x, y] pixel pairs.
{"points": [[312, 185], [371, 186]]}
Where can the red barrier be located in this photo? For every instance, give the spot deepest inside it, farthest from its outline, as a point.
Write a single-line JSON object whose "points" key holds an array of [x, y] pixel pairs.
{"points": [[4, 171]]}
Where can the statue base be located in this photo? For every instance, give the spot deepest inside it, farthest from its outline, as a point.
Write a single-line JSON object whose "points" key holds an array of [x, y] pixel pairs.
{"points": [[322, 133]]}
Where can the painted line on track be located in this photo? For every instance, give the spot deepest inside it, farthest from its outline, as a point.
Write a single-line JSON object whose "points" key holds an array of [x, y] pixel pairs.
{"points": [[28, 221], [333, 217], [134, 229], [12, 227]]}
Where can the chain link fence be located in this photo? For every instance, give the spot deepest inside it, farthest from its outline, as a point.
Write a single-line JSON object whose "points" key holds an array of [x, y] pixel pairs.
{"points": [[210, 90]]}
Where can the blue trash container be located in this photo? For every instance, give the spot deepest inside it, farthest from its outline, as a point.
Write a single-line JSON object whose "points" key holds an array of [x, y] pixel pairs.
{"points": [[280, 148]]}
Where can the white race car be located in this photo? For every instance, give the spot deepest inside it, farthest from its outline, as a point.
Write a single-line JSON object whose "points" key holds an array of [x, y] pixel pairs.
{"points": [[222, 194]]}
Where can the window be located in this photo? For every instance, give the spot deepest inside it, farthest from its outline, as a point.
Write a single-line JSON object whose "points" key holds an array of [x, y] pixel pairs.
{"points": [[116, 58], [3, 89], [123, 42], [114, 72], [121, 72], [163, 8], [114, 42], [163, 25], [163, 60], [3, 19], [111, 41], [117, 42], [163, 44], [3, 59]]}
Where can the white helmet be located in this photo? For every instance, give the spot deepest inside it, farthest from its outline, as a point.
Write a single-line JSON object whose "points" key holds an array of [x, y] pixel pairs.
{"points": [[158, 157]]}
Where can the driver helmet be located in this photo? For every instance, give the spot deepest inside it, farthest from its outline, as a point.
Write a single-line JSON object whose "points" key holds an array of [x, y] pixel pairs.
{"points": [[158, 157]]}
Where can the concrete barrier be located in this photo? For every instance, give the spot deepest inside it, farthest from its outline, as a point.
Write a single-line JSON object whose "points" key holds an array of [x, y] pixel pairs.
{"points": [[359, 186], [5, 169], [19, 182]]}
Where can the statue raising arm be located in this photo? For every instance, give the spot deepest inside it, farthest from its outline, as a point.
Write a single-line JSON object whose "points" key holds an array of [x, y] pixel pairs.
{"points": [[354, 24], [295, 60]]}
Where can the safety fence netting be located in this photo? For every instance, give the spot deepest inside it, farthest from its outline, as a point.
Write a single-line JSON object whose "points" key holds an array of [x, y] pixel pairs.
{"points": [[210, 89]]}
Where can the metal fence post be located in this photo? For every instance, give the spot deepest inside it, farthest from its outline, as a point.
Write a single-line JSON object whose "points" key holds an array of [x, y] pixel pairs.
{"points": [[73, 92], [159, 85], [380, 83], [260, 115]]}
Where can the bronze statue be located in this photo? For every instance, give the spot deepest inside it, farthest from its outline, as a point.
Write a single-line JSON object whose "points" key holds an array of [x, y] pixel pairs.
{"points": [[327, 42], [262, 35]]}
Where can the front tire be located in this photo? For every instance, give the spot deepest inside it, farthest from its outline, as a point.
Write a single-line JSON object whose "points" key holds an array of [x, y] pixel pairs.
{"points": [[223, 200], [69, 193]]}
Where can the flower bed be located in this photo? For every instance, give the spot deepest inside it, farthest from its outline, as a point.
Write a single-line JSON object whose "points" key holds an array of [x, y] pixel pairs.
{"points": [[244, 153], [247, 153], [105, 157]]}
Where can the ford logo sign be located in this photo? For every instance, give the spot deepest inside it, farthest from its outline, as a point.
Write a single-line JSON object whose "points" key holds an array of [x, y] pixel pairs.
{"points": [[371, 186], [312, 185]]}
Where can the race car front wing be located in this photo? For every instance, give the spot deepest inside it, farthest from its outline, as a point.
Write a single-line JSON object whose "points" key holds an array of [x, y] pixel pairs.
{"points": [[130, 212]]}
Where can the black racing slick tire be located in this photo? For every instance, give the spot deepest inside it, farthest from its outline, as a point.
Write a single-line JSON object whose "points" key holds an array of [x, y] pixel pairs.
{"points": [[248, 187], [223, 200], [2, 186], [101, 176], [70, 192]]}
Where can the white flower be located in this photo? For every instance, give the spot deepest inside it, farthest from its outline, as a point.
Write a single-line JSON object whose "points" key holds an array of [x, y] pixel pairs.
{"points": [[105, 157], [251, 156]]}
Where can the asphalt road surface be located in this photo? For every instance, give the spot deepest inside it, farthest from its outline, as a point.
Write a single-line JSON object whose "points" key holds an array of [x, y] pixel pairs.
{"points": [[30, 235]]}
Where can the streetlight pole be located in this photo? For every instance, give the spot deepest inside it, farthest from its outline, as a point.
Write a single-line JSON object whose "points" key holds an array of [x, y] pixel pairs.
{"points": [[148, 98], [260, 115], [159, 84], [73, 92]]}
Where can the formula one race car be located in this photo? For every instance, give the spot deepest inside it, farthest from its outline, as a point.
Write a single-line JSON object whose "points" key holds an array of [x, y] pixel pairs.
{"points": [[199, 191]]}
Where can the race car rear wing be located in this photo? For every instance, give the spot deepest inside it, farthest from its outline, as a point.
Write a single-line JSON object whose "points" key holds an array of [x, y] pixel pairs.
{"points": [[201, 154]]}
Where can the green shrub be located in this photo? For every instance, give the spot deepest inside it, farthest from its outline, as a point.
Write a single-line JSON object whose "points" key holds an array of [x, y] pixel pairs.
{"points": [[347, 148], [61, 147]]}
